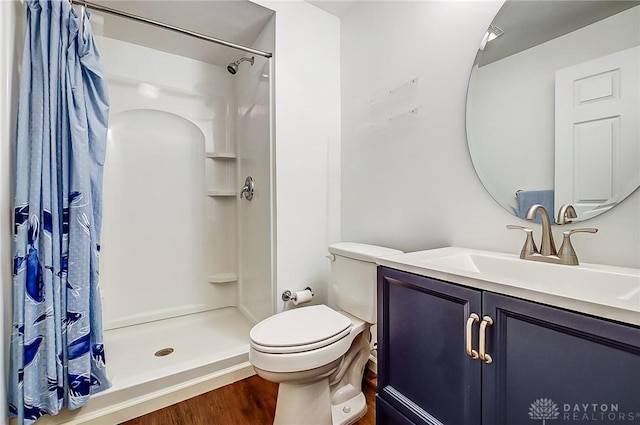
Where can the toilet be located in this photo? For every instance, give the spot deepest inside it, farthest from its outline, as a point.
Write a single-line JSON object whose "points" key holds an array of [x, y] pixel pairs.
{"points": [[318, 354]]}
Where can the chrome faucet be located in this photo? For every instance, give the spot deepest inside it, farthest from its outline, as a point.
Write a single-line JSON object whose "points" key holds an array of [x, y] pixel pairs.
{"points": [[566, 214], [547, 253], [547, 247]]}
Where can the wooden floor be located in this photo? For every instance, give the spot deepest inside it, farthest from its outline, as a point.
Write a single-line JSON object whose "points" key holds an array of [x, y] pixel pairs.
{"points": [[251, 401]]}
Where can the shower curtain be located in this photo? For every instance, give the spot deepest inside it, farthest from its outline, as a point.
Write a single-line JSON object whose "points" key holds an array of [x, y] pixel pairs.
{"points": [[57, 351]]}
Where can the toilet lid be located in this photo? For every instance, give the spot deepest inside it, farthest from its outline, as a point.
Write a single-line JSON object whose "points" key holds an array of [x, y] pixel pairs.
{"points": [[300, 327]]}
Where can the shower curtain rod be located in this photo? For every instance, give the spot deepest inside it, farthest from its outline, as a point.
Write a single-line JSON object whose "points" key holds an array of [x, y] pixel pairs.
{"points": [[116, 12]]}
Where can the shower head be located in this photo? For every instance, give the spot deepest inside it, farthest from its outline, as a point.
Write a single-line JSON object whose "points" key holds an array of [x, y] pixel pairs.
{"points": [[233, 66]]}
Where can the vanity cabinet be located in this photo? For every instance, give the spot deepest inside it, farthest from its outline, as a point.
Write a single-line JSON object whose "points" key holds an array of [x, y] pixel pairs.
{"points": [[543, 363]]}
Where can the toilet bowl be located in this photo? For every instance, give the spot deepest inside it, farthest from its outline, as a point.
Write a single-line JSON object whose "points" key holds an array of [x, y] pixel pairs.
{"points": [[317, 355]]}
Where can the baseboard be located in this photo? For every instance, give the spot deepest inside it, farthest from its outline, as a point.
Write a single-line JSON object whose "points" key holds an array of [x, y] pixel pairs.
{"points": [[372, 364]]}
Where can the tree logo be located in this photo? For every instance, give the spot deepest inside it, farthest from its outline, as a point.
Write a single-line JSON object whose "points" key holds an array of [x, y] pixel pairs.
{"points": [[543, 408]]}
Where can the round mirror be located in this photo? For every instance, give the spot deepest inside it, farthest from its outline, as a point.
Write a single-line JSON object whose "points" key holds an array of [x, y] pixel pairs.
{"points": [[553, 105]]}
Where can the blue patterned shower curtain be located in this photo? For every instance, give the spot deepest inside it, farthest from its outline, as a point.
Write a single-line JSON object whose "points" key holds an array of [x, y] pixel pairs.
{"points": [[57, 351]]}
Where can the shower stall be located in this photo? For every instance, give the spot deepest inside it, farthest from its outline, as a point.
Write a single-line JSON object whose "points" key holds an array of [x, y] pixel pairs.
{"points": [[186, 265]]}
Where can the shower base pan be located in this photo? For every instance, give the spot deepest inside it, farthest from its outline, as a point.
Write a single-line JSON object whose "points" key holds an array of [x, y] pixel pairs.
{"points": [[196, 353]]}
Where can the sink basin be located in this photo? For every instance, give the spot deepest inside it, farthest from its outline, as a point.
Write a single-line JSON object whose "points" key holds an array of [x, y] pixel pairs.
{"points": [[605, 291]]}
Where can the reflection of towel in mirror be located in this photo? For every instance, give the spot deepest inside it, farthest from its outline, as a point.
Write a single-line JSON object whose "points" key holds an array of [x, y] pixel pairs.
{"points": [[527, 198]]}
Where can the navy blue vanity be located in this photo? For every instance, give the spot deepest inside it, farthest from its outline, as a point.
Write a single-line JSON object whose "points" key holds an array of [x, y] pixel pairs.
{"points": [[526, 363]]}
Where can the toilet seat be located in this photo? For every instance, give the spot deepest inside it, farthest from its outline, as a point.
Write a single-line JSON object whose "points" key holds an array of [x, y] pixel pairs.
{"points": [[327, 337], [299, 330]]}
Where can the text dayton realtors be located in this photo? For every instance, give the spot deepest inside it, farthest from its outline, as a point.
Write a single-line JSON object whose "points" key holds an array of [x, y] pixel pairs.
{"points": [[596, 412]]}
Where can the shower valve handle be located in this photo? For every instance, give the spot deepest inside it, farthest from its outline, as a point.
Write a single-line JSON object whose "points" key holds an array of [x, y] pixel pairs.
{"points": [[247, 189]]}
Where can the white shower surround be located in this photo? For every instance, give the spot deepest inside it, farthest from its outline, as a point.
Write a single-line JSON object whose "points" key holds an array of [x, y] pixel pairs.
{"points": [[167, 113], [162, 236], [165, 242]]}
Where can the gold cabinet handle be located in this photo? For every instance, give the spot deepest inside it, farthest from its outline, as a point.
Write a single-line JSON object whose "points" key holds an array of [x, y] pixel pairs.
{"points": [[473, 318], [486, 321]]}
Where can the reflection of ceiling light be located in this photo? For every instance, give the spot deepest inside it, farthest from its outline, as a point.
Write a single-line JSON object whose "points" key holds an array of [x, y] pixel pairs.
{"points": [[492, 33]]}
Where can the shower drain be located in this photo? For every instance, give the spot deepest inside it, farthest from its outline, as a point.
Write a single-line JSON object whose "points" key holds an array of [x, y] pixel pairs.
{"points": [[163, 352]]}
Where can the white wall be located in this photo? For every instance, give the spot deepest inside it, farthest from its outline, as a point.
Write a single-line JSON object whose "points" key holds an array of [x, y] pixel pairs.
{"points": [[411, 185], [307, 124]]}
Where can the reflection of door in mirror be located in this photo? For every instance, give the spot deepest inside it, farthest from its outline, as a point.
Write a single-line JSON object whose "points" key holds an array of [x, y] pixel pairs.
{"points": [[597, 140], [511, 101]]}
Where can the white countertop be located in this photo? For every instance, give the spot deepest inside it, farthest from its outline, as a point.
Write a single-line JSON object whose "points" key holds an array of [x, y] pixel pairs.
{"points": [[604, 291]]}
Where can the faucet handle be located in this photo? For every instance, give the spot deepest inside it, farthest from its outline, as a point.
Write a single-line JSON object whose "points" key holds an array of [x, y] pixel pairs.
{"points": [[567, 254], [583, 230], [529, 246]]}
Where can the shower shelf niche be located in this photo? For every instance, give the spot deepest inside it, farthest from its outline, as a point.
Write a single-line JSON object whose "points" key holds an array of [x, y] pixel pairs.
{"points": [[221, 155], [221, 193], [222, 278]]}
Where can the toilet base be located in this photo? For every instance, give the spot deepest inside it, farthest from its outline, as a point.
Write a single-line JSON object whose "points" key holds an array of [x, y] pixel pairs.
{"points": [[303, 404], [350, 411], [306, 404]]}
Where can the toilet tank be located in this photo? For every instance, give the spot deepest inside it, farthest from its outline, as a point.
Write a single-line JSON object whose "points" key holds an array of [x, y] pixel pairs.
{"points": [[354, 277]]}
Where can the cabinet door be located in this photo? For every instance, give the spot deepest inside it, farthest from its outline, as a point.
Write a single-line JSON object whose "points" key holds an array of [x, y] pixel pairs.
{"points": [[423, 369], [387, 415], [551, 364]]}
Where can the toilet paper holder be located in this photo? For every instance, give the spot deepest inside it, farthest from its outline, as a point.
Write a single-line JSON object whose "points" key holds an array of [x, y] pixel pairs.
{"points": [[292, 296]]}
